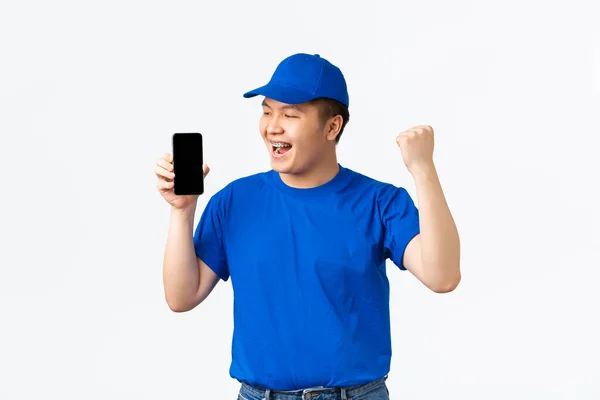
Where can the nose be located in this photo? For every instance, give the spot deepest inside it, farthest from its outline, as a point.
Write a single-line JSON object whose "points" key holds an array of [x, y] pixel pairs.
{"points": [[274, 127]]}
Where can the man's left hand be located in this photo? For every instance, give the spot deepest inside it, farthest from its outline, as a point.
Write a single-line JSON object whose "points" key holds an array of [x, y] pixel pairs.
{"points": [[416, 145]]}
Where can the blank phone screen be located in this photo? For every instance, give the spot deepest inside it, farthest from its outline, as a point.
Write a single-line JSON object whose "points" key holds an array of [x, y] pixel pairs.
{"points": [[187, 163]]}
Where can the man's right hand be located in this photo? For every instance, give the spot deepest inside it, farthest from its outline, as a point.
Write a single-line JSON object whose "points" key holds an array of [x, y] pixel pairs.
{"points": [[165, 175]]}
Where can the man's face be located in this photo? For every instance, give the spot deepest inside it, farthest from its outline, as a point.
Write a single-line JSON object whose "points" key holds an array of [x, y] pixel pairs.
{"points": [[295, 135]]}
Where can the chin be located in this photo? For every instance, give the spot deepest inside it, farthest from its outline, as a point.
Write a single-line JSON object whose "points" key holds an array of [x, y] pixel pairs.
{"points": [[282, 168]]}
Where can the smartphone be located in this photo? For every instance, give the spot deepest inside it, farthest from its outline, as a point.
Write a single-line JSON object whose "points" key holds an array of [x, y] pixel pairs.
{"points": [[188, 160]]}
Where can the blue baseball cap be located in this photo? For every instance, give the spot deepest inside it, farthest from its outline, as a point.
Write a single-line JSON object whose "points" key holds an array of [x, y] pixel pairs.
{"points": [[303, 77]]}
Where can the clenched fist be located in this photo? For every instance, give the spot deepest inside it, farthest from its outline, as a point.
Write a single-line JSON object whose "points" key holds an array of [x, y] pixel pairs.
{"points": [[416, 145]]}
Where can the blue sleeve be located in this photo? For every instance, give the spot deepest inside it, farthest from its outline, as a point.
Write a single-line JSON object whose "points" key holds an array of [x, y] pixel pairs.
{"points": [[208, 238], [400, 218]]}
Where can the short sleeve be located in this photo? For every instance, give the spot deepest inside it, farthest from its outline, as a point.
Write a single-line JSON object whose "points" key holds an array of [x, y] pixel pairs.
{"points": [[208, 238], [400, 218]]}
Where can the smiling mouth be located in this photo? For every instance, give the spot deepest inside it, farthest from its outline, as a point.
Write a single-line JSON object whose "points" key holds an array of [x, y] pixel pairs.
{"points": [[280, 148]]}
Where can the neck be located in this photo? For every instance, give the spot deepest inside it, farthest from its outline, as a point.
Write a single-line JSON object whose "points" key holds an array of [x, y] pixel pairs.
{"points": [[314, 176]]}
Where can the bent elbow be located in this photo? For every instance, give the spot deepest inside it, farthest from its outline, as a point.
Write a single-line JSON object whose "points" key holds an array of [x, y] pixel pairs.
{"points": [[179, 307], [446, 286]]}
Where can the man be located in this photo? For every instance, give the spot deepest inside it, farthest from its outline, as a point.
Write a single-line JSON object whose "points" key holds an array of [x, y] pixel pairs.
{"points": [[306, 244]]}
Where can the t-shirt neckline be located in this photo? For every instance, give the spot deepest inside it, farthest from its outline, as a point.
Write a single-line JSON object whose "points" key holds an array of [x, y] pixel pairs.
{"points": [[330, 186]]}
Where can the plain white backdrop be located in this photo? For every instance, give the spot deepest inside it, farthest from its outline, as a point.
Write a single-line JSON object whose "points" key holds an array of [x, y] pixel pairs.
{"points": [[91, 92]]}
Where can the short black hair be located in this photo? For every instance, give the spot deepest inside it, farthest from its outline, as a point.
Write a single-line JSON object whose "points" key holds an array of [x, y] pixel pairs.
{"points": [[330, 108]]}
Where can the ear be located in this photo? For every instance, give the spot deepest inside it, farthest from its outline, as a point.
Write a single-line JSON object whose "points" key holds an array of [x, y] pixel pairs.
{"points": [[333, 127]]}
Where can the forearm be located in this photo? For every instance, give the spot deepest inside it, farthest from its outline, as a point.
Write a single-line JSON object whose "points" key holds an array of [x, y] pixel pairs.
{"points": [[440, 243], [180, 266]]}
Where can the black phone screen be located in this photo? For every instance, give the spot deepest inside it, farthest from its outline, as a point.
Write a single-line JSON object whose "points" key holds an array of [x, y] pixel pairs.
{"points": [[187, 163]]}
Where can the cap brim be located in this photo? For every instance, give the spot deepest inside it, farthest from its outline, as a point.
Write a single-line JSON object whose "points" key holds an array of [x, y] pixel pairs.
{"points": [[284, 94]]}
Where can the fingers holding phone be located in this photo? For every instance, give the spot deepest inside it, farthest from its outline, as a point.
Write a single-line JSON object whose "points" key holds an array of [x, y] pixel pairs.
{"points": [[164, 168], [164, 171], [205, 170]]}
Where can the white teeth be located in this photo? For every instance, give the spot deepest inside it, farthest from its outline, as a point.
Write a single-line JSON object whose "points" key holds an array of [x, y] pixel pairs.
{"points": [[278, 144]]}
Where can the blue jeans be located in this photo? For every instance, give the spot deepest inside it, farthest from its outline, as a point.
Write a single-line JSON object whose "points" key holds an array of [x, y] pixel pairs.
{"points": [[376, 390]]}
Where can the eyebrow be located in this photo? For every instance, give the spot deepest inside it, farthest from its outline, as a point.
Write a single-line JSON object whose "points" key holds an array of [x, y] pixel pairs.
{"points": [[292, 106]]}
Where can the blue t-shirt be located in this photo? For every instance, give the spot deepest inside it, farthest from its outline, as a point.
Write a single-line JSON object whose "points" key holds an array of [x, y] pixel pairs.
{"points": [[307, 267]]}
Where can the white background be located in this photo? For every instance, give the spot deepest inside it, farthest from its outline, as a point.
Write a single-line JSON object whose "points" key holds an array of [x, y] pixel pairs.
{"points": [[91, 92]]}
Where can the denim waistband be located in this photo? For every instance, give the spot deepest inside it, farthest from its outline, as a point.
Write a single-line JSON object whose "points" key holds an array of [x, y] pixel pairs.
{"points": [[306, 394]]}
